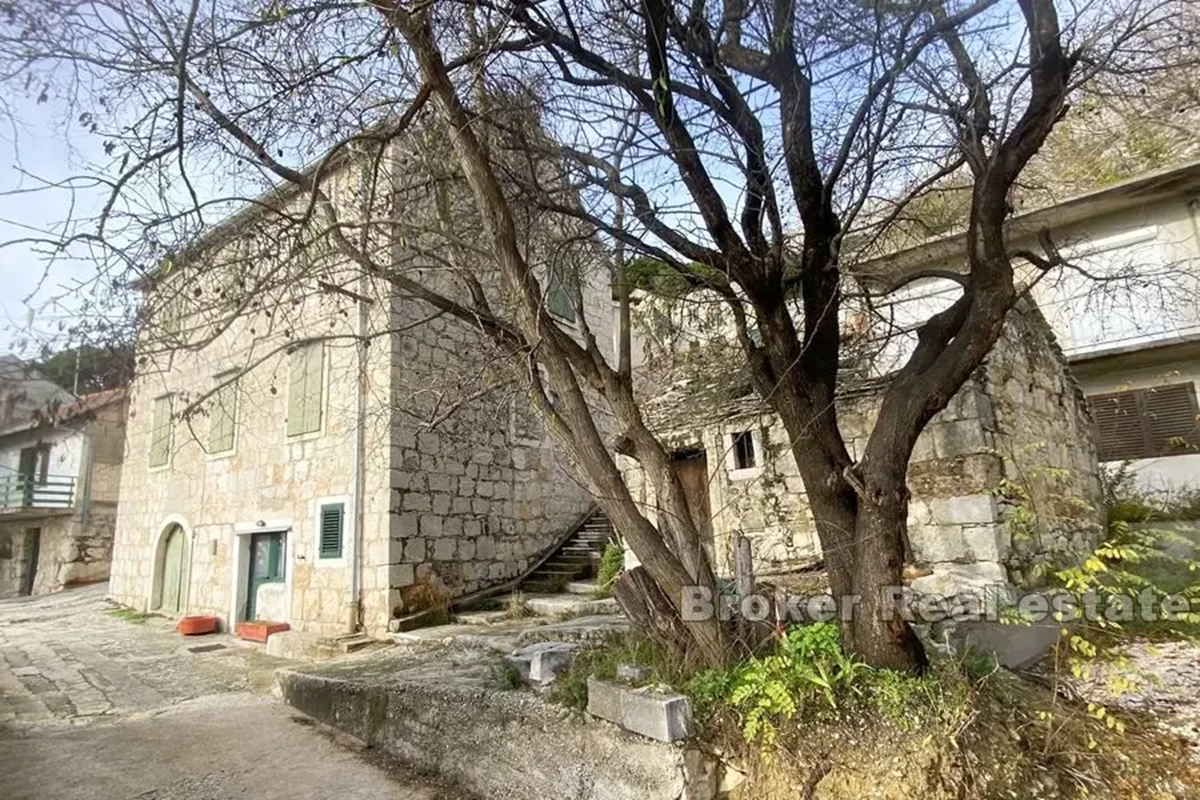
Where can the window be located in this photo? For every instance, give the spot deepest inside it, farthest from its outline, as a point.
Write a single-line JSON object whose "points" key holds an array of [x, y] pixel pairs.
{"points": [[223, 418], [332, 522], [1145, 423], [560, 295], [306, 382], [160, 432], [743, 450]]}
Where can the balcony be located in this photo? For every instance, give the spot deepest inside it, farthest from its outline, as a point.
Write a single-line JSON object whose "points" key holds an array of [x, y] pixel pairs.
{"points": [[23, 493]]}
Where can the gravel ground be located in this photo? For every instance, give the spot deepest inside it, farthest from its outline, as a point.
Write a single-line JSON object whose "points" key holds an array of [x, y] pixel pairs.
{"points": [[1161, 678]]}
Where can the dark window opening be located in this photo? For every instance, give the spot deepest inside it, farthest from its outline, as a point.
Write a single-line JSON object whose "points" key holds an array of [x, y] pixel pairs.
{"points": [[743, 450]]}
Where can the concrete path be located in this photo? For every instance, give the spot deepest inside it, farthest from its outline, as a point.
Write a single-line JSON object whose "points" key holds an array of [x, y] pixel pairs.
{"points": [[94, 706]]}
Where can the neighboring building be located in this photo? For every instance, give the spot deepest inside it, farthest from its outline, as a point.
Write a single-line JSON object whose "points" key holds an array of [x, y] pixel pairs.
{"points": [[1127, 313], [60, 467], [1016, 435], [337, 455]]}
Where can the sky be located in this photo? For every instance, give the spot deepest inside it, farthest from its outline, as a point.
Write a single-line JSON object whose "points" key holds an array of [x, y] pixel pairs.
{"points": [[38, 148]]}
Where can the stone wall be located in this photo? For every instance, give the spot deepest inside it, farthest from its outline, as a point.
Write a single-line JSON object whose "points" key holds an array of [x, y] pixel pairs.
{"points": [[1018, 425], [478, 496]]}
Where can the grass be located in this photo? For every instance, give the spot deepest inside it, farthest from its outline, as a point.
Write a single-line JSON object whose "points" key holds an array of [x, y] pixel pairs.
{"points": [[517, 608], [130, 615], [601, 661]]}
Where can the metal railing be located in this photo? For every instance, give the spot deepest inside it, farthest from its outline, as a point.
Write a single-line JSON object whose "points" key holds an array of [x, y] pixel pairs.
{"points": [[21, 491]]}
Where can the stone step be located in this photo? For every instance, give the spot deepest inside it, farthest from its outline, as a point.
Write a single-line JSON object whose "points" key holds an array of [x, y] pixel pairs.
{"points": [[569, 605], [482, 617], [582, 587]]}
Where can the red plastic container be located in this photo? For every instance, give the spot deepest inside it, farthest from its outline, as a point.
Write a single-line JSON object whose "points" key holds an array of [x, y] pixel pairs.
{"points": [[196, 625], [259, 630]]}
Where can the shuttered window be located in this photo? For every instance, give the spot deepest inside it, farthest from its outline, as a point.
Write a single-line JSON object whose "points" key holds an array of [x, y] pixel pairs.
{"points": [[306, 384], [1146, 423], [560, 295], [160, 431], [223, 418], [330, 534]]}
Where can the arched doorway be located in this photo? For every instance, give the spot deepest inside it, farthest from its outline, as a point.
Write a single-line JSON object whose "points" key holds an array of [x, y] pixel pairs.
{"points": [[172, 571]]}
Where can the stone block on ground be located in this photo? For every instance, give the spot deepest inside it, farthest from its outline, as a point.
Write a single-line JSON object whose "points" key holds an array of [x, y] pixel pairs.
{"points": [[570, 605], [541, 663], [649, 711]]}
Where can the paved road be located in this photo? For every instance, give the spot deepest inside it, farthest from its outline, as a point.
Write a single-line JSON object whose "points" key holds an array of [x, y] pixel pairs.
{"points": [[94, 706]]}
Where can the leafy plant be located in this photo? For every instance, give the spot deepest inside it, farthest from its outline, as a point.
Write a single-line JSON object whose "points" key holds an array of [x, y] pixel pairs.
{"points": [[505, 676], [808, 665], [612, 563]]}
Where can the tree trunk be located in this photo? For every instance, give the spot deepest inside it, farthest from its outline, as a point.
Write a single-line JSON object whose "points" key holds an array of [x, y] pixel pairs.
{"points": [[650, 611], [878, 633]]}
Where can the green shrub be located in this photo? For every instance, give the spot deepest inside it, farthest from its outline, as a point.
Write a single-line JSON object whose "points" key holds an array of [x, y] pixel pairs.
{"points": [[611, 565]]}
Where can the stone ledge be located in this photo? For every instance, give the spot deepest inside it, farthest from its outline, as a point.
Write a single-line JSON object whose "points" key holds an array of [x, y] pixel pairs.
{"points": [[445, 719]]}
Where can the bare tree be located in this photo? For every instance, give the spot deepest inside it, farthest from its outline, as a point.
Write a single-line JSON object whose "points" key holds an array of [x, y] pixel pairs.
{"points": [[748, 146]]}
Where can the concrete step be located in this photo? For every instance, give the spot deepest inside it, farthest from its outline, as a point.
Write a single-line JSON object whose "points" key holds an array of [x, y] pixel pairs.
{"points": [[582, 587]]}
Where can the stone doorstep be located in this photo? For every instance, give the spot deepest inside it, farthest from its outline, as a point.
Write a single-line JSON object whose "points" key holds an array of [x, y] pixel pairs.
{"points": [[649, 711], [301, 646]]}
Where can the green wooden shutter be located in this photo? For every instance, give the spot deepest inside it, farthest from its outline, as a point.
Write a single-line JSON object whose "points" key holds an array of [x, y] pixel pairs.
{"points": [[330, 535], [560, 298], [160, 432], [223, 417], [314, 384]]}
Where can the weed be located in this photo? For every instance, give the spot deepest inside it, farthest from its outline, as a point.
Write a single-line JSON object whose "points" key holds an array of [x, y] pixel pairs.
{"points": [[130, 615], [517, 608], [505, 676], [601, 661]]}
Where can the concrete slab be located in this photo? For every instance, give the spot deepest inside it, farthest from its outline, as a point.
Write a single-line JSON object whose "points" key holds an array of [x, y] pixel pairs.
{"points": [[592, 629]]}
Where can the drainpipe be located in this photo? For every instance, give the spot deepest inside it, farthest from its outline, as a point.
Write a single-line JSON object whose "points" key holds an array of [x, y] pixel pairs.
{"points": [[360, 348]]}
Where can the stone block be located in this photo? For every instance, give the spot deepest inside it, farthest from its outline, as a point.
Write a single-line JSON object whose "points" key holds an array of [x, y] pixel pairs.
{"points": [[959, 438], [414, 550], [937, 543], [973, 509], [986, 542], [443, 549], [649, 711]]}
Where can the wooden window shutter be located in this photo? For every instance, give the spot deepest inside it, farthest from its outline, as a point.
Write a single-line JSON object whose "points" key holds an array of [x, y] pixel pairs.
{"points": [[1171, 419], [560, 296], [223, 418], [314, 384], [306, 376], [330, 536], [1145, 423], [160, 432]]}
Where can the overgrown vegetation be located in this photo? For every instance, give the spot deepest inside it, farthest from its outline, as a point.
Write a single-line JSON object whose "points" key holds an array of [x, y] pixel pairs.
{"points": [[516, 607], [612, 562]]}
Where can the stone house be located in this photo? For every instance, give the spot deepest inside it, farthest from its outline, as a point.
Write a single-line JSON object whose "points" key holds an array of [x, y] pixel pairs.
{"points": [[1127, 313], [337, 454], [60, 467], [1004, 480]]}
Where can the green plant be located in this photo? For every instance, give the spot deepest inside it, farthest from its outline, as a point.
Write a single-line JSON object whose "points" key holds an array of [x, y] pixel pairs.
{"points": [[808, 666], [612, 562], [505, 676], [130, 615], [601, 661]]}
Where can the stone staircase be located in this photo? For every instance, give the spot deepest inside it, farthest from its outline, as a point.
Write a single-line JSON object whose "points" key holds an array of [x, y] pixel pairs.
{"points": [[574, 558]]}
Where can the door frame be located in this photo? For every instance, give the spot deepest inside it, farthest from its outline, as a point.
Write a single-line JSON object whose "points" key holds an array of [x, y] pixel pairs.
{"points": [[239, 568], [154, 598]]}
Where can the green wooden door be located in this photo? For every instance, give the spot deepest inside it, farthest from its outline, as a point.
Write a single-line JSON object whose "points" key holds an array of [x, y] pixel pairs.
{"points": [[266, 566], [174, 570]]}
